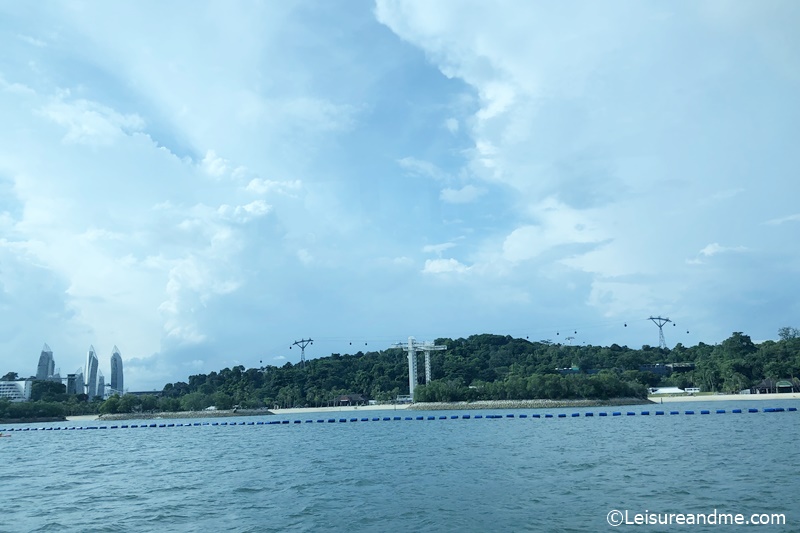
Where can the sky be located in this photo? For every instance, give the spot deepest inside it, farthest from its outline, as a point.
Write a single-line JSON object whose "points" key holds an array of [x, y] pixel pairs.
{"points": [[204, 183]]}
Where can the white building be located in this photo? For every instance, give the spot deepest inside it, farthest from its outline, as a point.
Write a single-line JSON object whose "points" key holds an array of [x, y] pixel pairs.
{"points": [[16, 391]]}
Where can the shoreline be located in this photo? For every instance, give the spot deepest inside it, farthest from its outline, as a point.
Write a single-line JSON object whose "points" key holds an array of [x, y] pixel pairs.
{"points": [[220, 413], [524, 404], [726, 397]]}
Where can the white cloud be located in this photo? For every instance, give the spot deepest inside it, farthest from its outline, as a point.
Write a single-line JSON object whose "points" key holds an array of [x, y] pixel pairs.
{"points": [[444, 266], [263, 186], [244, 213], [214, 165], [715, 248], [437, 248], [464, 195], [90, 122], [783, 220], [418, 167]]}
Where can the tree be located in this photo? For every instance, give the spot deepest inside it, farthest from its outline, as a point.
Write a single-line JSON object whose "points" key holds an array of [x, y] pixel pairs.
{"points": [[11, 376]]}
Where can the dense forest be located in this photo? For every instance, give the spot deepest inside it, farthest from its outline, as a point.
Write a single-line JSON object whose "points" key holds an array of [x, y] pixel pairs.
{"points": [[481, 367]]}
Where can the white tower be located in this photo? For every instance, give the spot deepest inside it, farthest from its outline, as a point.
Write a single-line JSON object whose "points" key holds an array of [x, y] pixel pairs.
{"points": [[412, 347]]}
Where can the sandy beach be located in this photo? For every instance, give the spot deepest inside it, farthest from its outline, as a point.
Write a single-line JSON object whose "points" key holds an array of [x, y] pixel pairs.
{"points": [[82, 418], [725, 398], [340, 409]]}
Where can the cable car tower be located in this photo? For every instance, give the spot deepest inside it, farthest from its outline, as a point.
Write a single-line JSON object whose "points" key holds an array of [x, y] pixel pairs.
{"points": [[660, 322], [412, 348], [302, 343]]}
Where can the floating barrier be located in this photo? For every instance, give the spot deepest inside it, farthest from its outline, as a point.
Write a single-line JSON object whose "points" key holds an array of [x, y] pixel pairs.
{"points": [[397, 418]]}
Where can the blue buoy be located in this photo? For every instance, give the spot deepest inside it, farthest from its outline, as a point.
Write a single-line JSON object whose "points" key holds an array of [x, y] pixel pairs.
{"points": [[453, 417], [523, 416], [575, 414], [588, 414], [442, 418], [354, 420], [645, 413], [331, 420], [616, 413], [153, 425], [536, 416], [631, 413], [602, 414], [342, 420], [752, 410], [320, 421], [478, 416], [309, 421], [397, 418], [409, 418], [705, 412], [720, 411], [420, 418], [689, 412], [791, 408], [548, 416], [298, 421], [509, 416], [168, 425], [659, 413], [134, 425], [737, 411], [674, 412], [562, 415], [387, 419], [465, 417], [376, 419]]}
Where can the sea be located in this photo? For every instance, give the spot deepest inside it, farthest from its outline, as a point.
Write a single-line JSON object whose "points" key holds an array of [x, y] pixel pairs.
{"points": [[503, 472]]}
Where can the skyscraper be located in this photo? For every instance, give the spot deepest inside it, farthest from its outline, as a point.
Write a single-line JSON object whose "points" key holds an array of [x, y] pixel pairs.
{"points": [[101, 385], [116, 372], [46, 366], [91, 373], [80, 386]]}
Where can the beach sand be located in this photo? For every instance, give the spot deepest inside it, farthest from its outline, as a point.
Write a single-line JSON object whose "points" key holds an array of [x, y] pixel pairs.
{"points": [[340, 409], [82, 418], [725, 398]]}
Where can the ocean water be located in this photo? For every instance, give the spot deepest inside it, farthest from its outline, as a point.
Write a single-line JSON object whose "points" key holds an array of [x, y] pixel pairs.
{"points": [[546, 474]]}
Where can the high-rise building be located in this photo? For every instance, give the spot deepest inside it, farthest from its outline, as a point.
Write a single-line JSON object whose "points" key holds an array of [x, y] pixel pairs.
{"points": [[71, 382], [91, 373], [101, 385], [116, 372], [80, 386], [46, 366]]}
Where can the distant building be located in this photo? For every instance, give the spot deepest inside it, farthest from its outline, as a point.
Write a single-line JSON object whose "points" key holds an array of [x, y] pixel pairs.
{"points": [[80, 385], [101, 385], [659, 369], [72, 384], [91, 373], [47, 366], [17, 390], [117, 384], [350, 399]]}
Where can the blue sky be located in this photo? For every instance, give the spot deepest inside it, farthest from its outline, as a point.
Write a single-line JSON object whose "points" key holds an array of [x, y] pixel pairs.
{"points": [[203, 183]]}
